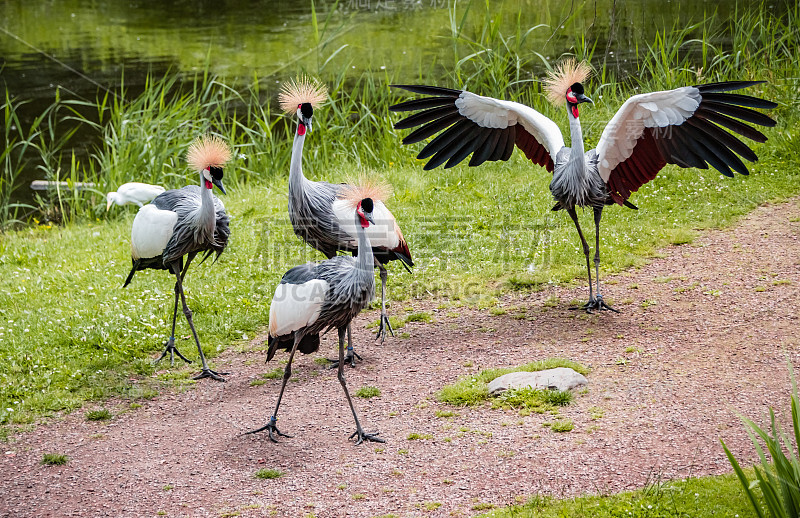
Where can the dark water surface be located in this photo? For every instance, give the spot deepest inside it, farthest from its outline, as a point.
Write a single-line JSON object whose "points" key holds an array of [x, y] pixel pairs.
{"points": [[84, 47]]}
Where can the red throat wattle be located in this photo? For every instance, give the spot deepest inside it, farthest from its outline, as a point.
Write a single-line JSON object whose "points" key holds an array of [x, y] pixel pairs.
{"points": [[361, 218], [301, 129], [208, 184], [574, 110]]}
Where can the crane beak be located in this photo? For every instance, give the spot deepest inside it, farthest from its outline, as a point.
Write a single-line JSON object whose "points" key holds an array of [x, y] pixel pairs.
{"points": [[218, 183], [306, 123], [368, 217], [583, 99]]}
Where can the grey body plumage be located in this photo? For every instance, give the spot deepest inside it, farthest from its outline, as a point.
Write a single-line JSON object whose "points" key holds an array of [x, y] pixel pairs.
{"points": [[182, 223], [315, 297]]}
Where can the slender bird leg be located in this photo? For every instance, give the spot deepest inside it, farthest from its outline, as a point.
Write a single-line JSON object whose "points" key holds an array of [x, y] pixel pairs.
{"points": [[169, 345], [271, 427], [592, 301], [351, 355], [600, 303], [360, 433], [385, 325], [206, 372]]}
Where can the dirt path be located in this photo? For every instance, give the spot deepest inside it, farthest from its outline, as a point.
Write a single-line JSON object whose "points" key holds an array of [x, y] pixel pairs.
{"points": [[703, 335]]}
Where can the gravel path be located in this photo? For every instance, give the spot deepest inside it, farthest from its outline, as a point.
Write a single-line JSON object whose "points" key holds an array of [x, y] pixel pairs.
{"points": [[703, 334]]}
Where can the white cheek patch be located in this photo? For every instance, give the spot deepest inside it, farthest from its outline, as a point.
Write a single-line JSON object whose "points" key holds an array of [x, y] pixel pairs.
{"points": [[207, 174]]}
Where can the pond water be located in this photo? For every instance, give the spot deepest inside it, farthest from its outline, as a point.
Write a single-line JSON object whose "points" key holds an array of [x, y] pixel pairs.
{"points": [[85, 46]]}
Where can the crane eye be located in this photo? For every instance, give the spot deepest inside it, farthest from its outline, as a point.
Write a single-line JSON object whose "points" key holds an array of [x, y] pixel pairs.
{"points": [[216, 172]]}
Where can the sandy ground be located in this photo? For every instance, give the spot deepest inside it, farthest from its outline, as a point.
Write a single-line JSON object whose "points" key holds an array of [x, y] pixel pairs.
{"points": [[703, 335]]}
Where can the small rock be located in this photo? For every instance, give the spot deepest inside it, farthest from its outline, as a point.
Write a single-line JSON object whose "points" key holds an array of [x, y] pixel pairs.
{"points": [[560, 378]]}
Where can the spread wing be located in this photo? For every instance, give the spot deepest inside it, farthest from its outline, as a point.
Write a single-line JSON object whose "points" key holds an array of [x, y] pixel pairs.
{"points": [[683, 126], [485, 127]]}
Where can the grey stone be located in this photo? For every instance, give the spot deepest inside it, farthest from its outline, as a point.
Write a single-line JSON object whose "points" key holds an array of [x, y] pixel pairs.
{"points": [[560, 378]]}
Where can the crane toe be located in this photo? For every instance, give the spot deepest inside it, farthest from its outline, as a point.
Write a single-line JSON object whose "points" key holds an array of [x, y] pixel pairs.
{"points": [[169, 347], [271, 429], [366, 436], [596, 304], [208, 373], [349, 358]]}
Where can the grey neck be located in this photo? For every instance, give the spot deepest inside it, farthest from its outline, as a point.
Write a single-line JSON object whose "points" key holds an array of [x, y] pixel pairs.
{"points": [[206, 216], [366, 260], [296, 178], [576, 136]]}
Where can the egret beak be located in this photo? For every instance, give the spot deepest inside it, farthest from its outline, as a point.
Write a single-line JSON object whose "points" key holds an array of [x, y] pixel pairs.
{"points": [[583, 99], [218, 183], [109, 202]]}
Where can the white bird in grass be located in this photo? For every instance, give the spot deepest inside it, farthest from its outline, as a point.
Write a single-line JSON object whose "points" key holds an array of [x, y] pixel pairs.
{"points": [[184, 222], [316, 297], [133, 192], [322, 219], [681, 126]]}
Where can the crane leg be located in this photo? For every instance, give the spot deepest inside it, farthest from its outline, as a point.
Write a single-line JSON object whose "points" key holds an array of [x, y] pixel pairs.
{"points": [[206, 372], [600, 303], [385, 325], [360, 433], [271, 427], [351, 355], [169, 345]]}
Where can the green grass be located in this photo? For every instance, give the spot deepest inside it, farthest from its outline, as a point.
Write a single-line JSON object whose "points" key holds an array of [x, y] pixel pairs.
{"points": [[690, 498], [560, 426], [99, 415], [367, 392], [533, 400], [414, 436], [473, 389], [268, 473], [54, 459]]}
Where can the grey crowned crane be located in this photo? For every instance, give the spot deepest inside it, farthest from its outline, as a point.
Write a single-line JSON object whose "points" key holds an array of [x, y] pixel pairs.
{"points": [[683, 126], [133, 192], [315, 208], [316, 297], [183, 223]]}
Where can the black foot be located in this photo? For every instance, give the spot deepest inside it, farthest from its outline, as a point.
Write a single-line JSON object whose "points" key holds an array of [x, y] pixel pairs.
{"points": [[364, 436], [271, 429], [208, 373], [169, 347], [597, 304], [384, 327], [350, 357]]}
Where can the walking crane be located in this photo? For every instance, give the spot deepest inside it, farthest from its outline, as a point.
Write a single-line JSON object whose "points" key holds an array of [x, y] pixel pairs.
{"points": [[183, 223], [316, 297], [318, 210], [683, 126]]}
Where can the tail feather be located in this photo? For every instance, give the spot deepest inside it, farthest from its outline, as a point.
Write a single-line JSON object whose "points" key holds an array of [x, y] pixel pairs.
{"points": [[133, 270], [308, 344]]}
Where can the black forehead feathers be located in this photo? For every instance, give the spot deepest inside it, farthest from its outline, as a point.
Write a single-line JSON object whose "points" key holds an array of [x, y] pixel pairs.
{"points": [[216, 172], [576, 88], [306, 110], [367, 205]]}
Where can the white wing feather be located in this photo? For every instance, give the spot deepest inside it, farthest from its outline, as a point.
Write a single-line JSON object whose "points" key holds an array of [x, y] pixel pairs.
{"points": [[295, 306], [650, 110], [152, 228], [495, 113], [138, 193], [384, 232]]}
